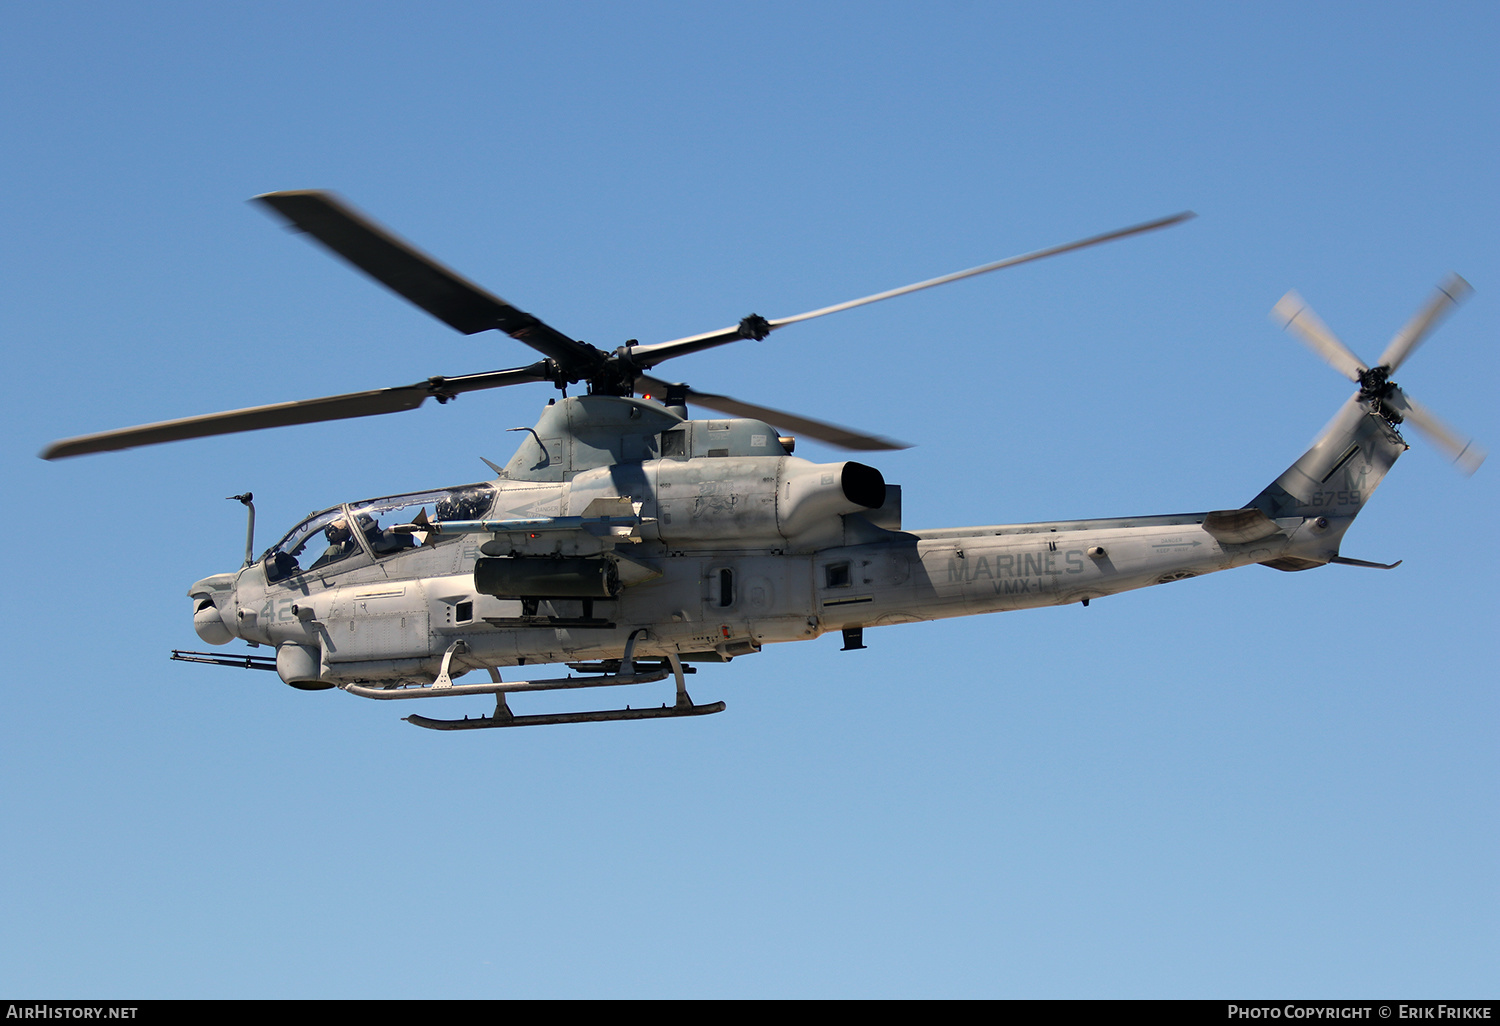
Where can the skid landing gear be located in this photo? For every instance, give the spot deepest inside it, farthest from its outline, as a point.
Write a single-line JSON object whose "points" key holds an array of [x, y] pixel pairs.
{"points": [[503, 717]]}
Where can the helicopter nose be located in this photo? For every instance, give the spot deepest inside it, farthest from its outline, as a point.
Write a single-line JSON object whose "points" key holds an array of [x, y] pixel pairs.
{"points": [[210, 596], [209, 624]]}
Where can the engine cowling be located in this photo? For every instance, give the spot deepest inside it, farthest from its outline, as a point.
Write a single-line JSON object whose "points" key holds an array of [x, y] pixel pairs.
{"points": [[814, 494], [760, 500]]}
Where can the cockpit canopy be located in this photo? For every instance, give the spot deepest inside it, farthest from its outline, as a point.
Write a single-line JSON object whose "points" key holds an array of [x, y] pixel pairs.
{"points": [[368, 529]]}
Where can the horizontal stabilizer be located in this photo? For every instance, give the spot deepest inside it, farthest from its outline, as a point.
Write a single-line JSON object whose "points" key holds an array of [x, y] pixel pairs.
{"points": [[1346, 561], [1239, 526]]}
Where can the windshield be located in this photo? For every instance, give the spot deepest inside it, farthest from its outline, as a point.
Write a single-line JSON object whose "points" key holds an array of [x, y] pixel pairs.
{"points": [[319, 541], [328, 537]]}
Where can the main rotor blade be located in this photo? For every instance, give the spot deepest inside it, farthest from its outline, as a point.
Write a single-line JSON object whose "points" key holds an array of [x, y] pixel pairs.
{"points": [[304, 411], [833, 434], [1466, 454], [1293, 314], [757, 327], [417, 277], [1449, 294]]}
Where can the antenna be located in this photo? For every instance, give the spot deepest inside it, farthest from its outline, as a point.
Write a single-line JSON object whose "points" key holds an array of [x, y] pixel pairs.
{"points": [[248, 500]]}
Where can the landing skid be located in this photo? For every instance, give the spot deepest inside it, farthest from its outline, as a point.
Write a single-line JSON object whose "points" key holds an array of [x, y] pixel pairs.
{"points": [[625, 673], [499, 687], [503, 717]]}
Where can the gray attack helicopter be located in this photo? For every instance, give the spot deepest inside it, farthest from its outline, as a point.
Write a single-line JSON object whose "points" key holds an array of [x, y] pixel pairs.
{"points": [[629, 542]]}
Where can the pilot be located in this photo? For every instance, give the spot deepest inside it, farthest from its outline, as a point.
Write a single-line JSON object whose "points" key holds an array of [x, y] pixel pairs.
{"points": [[463, 505], [338, 532], [340, 543]]}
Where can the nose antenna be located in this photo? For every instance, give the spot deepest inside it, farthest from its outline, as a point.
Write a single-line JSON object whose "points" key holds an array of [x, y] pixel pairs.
{"points": [[248, 500]]}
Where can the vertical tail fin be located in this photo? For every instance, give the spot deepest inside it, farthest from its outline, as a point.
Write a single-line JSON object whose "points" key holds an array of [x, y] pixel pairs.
{"points": [[1333, 480]]}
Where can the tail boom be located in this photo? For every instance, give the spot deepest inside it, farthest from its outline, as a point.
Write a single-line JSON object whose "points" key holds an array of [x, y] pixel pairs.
{"points": [[1296, 523]]}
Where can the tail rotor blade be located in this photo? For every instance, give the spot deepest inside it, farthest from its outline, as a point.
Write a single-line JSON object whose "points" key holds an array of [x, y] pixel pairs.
{"points": [[1449, 294], [1293, 314], [1466, 454]]}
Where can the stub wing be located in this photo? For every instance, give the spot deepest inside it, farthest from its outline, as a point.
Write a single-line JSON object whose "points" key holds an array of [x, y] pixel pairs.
{"points": [[614, 516]]}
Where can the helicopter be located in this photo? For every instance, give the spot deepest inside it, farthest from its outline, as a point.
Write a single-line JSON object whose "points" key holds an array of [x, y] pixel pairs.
{"points": [[632, 543]]}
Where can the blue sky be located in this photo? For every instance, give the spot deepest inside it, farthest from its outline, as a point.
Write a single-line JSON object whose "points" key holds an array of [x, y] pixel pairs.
{"points": [[1252, 784]]}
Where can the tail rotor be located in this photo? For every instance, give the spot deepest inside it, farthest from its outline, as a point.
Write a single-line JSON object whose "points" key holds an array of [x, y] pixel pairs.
{"points": [[1376, 388]]}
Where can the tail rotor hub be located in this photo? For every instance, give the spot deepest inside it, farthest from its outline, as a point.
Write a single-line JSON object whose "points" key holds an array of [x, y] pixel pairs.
{"points": [[1376, 387]]}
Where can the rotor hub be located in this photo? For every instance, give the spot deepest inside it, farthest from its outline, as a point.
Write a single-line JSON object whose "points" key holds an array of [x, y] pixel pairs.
{"points": [[754, 327], [1375, 383], [1376, 388]]}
